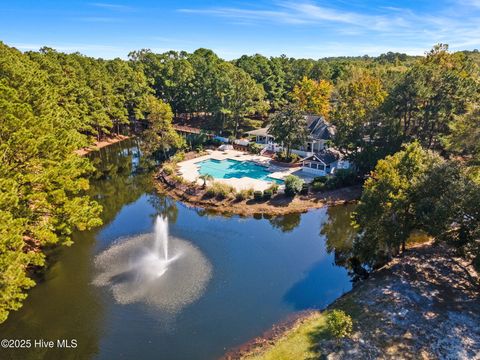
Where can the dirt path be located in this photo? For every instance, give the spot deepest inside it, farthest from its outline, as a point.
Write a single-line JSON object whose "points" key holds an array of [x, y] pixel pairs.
{"points": [[100, 144]]}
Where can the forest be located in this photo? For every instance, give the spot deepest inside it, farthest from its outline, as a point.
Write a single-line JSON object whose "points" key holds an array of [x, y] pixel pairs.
{"points": [[410, 124]]}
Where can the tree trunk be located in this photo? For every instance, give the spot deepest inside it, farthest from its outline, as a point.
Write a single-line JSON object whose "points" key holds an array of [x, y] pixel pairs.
{"points": [[236, 127]]}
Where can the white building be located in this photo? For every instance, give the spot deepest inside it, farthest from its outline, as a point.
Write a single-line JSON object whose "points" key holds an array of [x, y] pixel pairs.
{"points": [[324, 163], [320, 132]]}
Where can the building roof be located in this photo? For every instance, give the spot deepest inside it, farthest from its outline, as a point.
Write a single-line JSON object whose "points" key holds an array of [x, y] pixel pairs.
{"points": [[318, 128], [259, 132], [326, 156]]}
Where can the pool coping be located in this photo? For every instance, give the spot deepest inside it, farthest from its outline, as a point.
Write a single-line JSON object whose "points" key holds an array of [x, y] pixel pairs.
{"points": [[189, 170], [263, 167]]}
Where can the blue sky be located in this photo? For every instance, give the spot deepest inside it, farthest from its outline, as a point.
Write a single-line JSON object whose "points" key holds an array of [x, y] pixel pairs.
{"points": [[304, 28]]}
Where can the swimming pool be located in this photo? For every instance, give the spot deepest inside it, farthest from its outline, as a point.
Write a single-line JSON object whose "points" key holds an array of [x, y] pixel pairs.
{"points": [[229, 168]]}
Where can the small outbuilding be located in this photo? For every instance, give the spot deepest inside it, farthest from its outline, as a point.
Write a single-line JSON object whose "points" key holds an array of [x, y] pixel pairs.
{"points": [[324, 162]]}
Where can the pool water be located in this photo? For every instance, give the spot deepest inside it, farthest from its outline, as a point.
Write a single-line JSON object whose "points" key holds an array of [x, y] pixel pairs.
{"points": [[228, 169]]}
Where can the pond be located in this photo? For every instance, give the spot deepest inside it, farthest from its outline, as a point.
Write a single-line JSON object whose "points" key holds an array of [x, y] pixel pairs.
{"points": [[254, 272]]}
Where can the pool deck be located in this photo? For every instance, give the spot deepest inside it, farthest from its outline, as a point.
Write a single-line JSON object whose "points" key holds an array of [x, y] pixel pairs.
{"points": [[189, 170]]}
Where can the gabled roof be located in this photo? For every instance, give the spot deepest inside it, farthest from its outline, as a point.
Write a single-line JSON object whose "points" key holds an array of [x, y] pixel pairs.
{"points": [[327, 156], [259, 132], [318, 129]]}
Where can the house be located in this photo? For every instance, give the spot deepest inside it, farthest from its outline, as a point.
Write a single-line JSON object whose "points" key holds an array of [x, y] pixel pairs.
{"points": [[324, 163], [320, 132]]}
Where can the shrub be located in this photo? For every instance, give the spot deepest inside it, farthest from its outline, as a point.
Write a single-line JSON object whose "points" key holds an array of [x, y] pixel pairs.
{"points": [[220, 190], [254, 148], [244, 194], [179, 156], [342, 177], [274, 188], [345, 177], [339, 324], [168, 169], [287, 159], [239, 196], [304, 190], [213, 142], [267, 194], [318, 186], [320, 179], [293, 185], [179, 179], [257, 195]]}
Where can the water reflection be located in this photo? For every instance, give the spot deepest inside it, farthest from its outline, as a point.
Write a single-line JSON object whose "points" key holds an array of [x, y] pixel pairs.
{"points": [[64, 304], [286, 223], [262, 271], [339, 232], [165, 206]]}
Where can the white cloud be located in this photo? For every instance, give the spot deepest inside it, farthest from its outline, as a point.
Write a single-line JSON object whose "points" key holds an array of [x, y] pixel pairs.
{"points": [[304, 13], [114, 7], [457, 25]]}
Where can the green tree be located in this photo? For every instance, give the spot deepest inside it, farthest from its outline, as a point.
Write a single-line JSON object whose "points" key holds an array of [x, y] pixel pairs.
{"points": [[205, 178], [170, 73], [160, 136], [385, 215], [289, 127], [430, 94], [240, 95], [42, 181], [464, 138], [447, 208], [265, 72], [356, 117]]}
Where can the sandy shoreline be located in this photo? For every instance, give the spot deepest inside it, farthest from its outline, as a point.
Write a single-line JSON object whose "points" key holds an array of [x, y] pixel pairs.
{"points": [[278, 205], [100, 144]]}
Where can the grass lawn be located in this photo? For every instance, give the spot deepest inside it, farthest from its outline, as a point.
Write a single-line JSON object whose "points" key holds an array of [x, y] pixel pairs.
{"points": [[297, 343]]}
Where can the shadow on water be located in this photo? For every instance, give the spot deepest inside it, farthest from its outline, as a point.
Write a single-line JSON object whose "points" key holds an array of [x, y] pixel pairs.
{"points": [[318, 288], [322, 284]]}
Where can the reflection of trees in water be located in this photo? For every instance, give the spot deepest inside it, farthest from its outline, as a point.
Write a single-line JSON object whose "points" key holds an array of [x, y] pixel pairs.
{"points": [[286, 223], [119, 178], [212, 213], [165, 206], [339, 233]]}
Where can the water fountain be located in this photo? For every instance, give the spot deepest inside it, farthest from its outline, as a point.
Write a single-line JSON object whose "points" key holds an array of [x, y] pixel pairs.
{"points": [[166, 272]]}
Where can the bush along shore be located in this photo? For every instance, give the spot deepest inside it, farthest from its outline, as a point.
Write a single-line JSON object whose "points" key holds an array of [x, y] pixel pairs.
{"points": [[222, 198]]}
